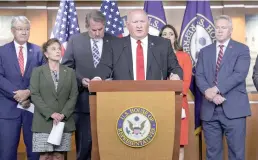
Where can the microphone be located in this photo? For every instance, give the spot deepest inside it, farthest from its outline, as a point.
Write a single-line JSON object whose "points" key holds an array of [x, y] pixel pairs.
{"points": [[160, 69], [110, 77]]}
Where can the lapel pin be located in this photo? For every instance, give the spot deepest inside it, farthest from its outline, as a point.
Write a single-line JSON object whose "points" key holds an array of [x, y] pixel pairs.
{"points": [[152, 44], [230, 46], [107, 40], [30, 50], [65, 70]]}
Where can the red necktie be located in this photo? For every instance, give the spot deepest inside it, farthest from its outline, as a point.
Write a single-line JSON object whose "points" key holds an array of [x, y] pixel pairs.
{"points": [[140, 75], [21, 60], [218, 63]]}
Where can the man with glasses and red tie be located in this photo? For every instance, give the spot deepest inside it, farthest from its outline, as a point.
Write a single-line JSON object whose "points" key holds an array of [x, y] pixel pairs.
{"points": [[17, 60], [221, 71], [139, 56]]}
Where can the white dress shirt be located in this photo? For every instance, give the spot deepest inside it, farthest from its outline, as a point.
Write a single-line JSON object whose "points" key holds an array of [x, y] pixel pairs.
{"points": [[217, 52], [218, 48], [99, 44], [144, 43], [24, 51]]}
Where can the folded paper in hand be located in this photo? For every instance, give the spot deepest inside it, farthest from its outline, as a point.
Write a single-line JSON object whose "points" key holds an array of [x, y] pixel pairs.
{"points": [[56, 134], [30, 109], [183, 115]]}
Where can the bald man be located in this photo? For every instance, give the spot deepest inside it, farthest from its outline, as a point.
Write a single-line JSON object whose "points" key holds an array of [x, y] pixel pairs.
{"points": [[139, 56]]}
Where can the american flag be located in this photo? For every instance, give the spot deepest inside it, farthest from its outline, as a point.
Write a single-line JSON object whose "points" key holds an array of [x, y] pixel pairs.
{"points": [[66, 23], [114, 24]]}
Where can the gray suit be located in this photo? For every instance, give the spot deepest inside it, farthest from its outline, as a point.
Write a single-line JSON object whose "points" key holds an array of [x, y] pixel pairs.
{"points": [[161, 60], [230, 117], [78, 56]]}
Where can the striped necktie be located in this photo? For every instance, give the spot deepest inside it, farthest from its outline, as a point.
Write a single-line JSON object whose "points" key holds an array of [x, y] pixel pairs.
{"points": [[95, 53], [21, 60], [221, 53]]}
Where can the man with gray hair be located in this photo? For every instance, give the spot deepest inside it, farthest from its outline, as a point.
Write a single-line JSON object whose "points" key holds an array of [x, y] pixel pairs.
{"points": [[17, 60], [83, 54], [221, 71]]}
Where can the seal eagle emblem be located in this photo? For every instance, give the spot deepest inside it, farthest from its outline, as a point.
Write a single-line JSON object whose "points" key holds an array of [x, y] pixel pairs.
{"points": [[198, 33], [136, 127]]}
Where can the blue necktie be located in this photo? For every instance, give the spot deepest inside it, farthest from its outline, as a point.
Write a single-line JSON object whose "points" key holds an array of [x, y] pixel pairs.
{"points": [[95, 53]]}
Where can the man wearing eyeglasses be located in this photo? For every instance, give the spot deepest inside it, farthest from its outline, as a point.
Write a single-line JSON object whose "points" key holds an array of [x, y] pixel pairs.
{"points": [[17, 60]]}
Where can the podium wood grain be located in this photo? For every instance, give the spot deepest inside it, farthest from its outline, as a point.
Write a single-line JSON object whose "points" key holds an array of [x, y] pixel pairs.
{"points": [[112, 105], [131, 86]]}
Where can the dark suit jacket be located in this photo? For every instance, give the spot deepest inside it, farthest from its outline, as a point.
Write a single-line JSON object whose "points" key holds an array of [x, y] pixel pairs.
{"points": [[118, 64], [255, 74], [231, 79], [47, 100], [78, 56], [11, 79]]}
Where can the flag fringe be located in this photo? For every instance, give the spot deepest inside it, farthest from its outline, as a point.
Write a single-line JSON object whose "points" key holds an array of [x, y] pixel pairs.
{"points": [[198, 130]]}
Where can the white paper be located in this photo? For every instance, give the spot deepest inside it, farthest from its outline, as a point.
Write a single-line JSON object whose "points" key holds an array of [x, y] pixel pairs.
{"points": [[56, 134], [30, 109], [183, 115]]}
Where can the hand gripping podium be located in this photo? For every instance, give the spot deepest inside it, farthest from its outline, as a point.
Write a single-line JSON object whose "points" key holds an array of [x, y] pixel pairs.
{"points": [[135, 120]]}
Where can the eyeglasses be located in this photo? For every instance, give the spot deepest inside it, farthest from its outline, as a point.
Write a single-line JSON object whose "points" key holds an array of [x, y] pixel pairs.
{"points": [[22, 29]]}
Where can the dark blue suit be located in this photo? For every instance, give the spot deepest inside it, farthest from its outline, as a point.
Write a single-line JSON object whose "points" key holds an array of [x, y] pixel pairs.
{"points": [[12, 118], [228, 119]]}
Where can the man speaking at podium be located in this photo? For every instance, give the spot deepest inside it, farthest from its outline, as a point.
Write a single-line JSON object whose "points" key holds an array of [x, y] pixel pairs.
{"points": [[139, 56]]}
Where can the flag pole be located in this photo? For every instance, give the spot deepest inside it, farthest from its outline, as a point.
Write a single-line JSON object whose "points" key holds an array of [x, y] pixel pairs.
{"points": [[200, 146]]}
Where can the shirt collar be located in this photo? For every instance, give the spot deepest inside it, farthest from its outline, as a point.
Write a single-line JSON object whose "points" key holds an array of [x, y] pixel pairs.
{"points": [[18, 45], [144, 41], [225, 43], [96, 39]]}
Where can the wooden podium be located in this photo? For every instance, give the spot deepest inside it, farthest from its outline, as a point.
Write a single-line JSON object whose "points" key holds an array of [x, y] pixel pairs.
{"points": [[137, 120]]}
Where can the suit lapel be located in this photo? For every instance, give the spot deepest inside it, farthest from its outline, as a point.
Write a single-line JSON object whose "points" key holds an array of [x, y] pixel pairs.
{"points": [[88, 49], [13, 56], [105, 44], [149, 56], [128, 50], [29, 57], [227, 53], [47, 74], [62, 75], [213, 58]]}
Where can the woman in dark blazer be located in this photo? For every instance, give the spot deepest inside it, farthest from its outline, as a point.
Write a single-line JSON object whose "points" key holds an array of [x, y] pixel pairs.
{"points": [[53, 92]]}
